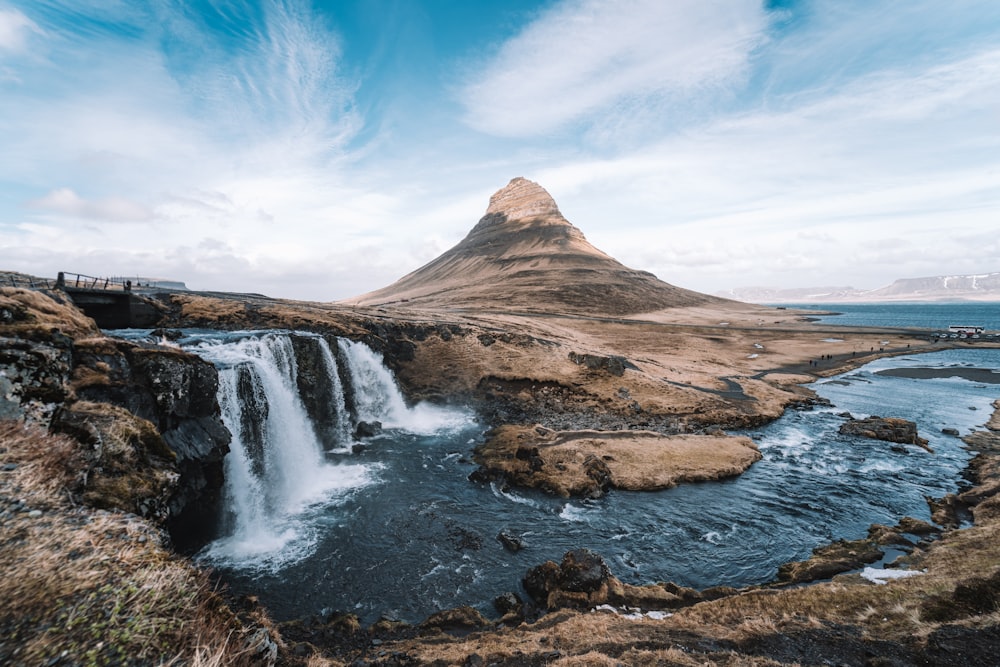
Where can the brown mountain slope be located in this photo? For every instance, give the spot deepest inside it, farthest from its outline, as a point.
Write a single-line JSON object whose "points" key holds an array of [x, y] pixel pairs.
{"points": [[524, 256]]}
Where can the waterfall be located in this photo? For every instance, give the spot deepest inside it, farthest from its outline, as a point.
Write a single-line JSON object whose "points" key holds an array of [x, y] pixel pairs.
{"points": [[281, 397], [377, 396]]}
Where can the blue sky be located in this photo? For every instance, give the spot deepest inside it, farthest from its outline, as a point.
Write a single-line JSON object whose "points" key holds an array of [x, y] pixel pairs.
{"points": [[318, 150]]}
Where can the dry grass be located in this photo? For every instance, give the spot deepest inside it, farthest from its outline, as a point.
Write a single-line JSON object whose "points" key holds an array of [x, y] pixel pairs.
{"points": [[32, 309], [632, 460], [95, 587]]}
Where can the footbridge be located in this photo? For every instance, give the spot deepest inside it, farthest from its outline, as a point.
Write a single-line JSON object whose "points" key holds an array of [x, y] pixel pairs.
{"points": [[112, 302]]}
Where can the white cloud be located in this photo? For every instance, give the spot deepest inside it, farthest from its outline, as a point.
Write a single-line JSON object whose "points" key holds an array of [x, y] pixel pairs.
{"points": [[587, 58], [111, 209], [15, 29]]}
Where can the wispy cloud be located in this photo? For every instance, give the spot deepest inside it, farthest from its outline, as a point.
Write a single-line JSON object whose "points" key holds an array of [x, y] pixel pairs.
{"points": [[15, 29], [585, 59]]}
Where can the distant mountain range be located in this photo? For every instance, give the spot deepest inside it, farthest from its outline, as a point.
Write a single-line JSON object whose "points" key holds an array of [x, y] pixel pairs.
{"points": [[977, 287]]}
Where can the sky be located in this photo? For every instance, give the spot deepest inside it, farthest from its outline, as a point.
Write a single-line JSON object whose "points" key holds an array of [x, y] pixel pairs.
{"points": [[322, 149]]}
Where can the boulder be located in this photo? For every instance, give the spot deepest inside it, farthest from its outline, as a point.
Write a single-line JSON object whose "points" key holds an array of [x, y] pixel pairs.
{"points": [[508, 603], [367, 429], [613, 365], [510, 542], [888, 429]]}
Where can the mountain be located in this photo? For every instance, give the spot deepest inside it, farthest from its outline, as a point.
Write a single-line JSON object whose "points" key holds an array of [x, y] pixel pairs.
{"points": [[974, 287], [523, 255]]}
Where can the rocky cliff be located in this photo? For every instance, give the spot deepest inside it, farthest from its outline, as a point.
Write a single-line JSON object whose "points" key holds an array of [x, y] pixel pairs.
{"points": [[146, 418]]}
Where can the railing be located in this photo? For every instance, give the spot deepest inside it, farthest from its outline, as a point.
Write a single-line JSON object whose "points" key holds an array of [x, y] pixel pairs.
{"points": [[80, 281], [22, 280]]}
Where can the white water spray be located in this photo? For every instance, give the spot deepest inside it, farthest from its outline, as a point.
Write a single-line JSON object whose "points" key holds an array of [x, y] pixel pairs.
{"points": [[377, 396], [275, 470], [277, 477]]}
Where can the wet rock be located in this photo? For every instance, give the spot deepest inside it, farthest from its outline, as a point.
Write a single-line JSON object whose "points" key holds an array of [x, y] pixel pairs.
{"points": [[508, 603], [319, 395], [367, 429], [950, 431], [511, 542], [583, 571], [829, 560], [948, 511], [888, 429]]}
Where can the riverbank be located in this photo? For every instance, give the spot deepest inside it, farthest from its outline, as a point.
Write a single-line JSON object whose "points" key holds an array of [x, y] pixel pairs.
{"points": [[683, 374], [943, 613]]}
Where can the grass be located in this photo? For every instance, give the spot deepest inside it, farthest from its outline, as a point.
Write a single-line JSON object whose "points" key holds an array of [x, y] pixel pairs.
{"points": [[33, 310], [93, 587]]}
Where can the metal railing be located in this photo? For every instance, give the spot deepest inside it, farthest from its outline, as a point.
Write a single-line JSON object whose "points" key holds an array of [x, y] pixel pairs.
{"points": [[23, 280], [80, 281]]}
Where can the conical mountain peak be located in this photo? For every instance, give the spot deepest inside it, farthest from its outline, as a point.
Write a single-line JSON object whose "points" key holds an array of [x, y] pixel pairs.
{"points": [[524, 256], [522, 198]]}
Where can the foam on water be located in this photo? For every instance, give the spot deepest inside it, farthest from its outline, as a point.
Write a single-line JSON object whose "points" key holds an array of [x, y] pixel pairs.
{"points": [[278, 480]]}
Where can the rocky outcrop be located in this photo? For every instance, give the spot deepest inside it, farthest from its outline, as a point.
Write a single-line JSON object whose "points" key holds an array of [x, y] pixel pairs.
{"points": [[317, 391], [127, 465], [613, 365], [582, 580], [175, 391], [146, 417], [889, 429], [589, 463], [830, 559]]}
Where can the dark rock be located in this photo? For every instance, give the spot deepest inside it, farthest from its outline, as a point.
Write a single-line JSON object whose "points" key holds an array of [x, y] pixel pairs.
{"points": [[34, 376], [829, 560], [597, 470], [889, 429], [508, 603], [319, 389], [541, 580], [613, 365], [367, 429], [948, 511], [582, 571], [168, 334], [916, 527], [950, 431], [510, 542], [357, 449], [486, 339], [129, 466], [175, 391]]}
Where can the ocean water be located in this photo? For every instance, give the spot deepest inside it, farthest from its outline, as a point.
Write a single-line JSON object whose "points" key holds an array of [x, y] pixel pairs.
{"points": [[936, 316]]}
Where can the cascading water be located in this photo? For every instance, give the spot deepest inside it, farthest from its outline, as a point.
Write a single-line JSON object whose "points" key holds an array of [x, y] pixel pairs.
{"points": [[277, 476], [377, 396]]}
